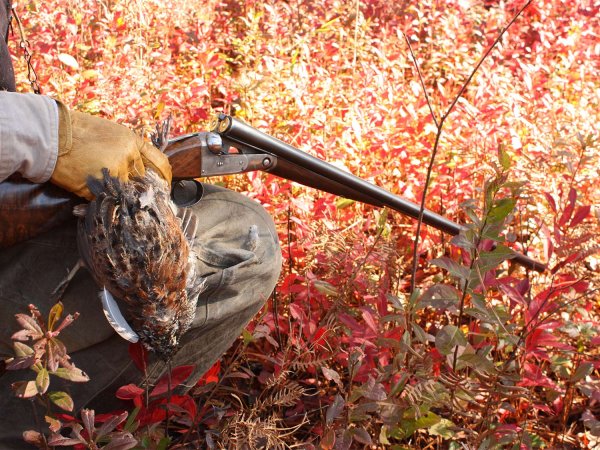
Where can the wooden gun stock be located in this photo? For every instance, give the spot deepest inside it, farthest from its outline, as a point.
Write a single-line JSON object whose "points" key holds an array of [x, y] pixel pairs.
{"points": [[28, 209]]}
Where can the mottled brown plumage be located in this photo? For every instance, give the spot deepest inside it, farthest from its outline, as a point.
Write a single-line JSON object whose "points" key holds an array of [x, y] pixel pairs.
{"points": [[138, 246]]}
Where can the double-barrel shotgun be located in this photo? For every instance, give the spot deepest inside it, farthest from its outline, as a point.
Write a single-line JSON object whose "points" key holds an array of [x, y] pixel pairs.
{"points": [[231, 147]]}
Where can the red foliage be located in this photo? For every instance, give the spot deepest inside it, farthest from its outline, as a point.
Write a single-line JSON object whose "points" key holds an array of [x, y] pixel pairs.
{"points": [[346, 345]]}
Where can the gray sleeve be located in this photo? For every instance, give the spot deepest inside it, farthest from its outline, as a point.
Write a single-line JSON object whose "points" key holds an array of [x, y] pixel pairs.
{"points": [[28, 136]]}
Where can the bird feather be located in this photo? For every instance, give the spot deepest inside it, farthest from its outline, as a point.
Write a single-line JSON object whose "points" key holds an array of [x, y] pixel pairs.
{"points": [[115, 317]]}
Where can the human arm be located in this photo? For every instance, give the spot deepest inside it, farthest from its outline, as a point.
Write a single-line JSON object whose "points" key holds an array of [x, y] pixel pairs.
{"points": [[44, 141], [28, 136]]}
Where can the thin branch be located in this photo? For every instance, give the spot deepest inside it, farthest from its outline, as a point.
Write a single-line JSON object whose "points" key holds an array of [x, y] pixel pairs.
{"points": [[357, 12], [416, 63], [439, 134], [483, 58]]}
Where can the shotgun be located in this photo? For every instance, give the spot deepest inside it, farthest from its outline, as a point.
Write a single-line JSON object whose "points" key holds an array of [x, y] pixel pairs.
{"points": [[232, 147]]}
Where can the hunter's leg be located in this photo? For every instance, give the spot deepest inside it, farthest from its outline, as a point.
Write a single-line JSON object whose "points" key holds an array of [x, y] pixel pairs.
{"points": [[239, 256]]}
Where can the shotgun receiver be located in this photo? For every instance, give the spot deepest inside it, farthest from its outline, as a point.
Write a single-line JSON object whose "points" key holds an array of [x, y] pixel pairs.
{"points": [[233, 147]]}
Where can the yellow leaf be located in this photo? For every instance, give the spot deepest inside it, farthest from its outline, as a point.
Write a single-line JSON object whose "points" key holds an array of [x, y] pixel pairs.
{"points": [[89, 74], [54, 315]]}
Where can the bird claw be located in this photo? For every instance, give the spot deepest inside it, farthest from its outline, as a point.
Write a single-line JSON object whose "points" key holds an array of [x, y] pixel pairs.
{"points": [[160, 137]]}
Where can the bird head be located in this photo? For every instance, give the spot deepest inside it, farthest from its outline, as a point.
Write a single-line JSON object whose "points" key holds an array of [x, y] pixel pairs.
{"points": [[163, 323]]}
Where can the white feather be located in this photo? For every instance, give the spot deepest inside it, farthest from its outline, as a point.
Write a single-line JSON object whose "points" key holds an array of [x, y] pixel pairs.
{"points": [[115, 318]]}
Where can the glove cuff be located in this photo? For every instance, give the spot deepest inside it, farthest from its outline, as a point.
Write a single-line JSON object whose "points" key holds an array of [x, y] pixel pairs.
{"points": [[65, 129]]}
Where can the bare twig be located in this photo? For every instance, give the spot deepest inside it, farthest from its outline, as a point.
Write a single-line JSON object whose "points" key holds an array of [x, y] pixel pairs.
{"points": [[412, 54], [440, 127]]}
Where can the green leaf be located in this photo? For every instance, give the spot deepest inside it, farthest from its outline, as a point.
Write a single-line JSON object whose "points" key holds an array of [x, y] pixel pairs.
{"points": [[131, 425], [449, 337], [325, 288], [22, 349], [455, 269], [247, 337], [503, 157], [25, 389], [341, 202], [477, 361], [422, 335], [582, 371], [361, 435], [54, 315], [382, 220], [328, 439], [440, 296], [444, 428], [335, 409], [414, 299], [383, 435], [42, 381], [163, 444], [72, 374], [407, 428], [395, 302], [428, 420], [490, 260], [501, 210], [462, 240], [62, 400]]}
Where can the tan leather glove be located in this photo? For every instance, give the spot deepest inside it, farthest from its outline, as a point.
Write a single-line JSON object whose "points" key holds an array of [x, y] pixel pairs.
{"points": [[87, 144]]}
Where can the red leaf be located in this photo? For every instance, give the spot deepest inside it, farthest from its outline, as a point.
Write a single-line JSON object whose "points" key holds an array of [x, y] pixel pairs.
{"points": [[513, 294], [581, 213], [178, 376], [65, 417], [139, 355], [318, 338], [533, 376], [541, 338], [551, 201], [129, 392], [349, 321], [296, 311], [369, 319], [211, 375], [568, 212], [186, 402], [154, 414]]}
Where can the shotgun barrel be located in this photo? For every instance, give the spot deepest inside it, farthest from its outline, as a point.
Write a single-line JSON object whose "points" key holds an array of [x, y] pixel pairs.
{"points": [[299, 166]]}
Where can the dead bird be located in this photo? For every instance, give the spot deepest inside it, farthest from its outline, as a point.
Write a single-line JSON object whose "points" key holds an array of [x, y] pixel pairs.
{"points": [[138, 246]]}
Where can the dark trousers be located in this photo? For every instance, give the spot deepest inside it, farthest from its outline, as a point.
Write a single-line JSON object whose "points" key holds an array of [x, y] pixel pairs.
{"points": [[239, 257]]}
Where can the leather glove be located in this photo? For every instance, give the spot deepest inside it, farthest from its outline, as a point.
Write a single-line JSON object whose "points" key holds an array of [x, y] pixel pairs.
{"points": [[87, 144]]}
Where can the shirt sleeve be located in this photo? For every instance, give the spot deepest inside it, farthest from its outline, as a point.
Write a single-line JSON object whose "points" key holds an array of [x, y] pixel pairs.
{"points": [[28, 136]]}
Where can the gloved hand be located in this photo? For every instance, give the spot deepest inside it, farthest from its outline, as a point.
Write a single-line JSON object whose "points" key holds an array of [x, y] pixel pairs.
{"points": [[86, 144]]}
